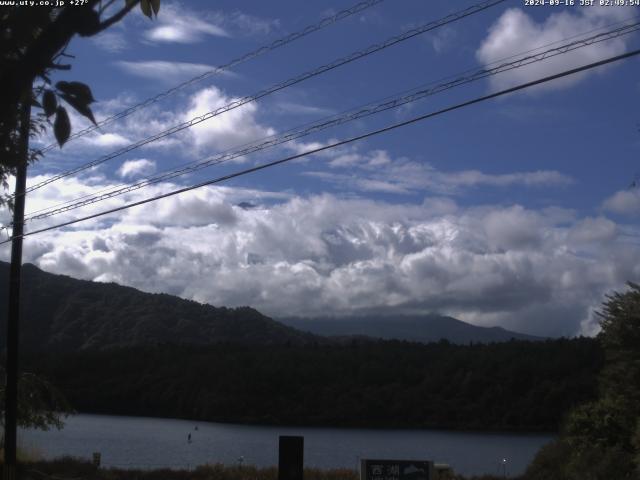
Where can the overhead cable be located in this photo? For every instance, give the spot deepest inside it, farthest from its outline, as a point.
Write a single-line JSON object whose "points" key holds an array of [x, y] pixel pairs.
{"points": [[280, 42], [328, 122], [413, 32], [501, 62], [340, 143]]}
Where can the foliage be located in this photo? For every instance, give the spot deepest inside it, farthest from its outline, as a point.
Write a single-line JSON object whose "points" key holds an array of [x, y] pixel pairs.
{"points": [[33, 43], [40, 404], [508, 386], [620, 337], [242, 366], [603, 436], [60, 313], [550, 462]]}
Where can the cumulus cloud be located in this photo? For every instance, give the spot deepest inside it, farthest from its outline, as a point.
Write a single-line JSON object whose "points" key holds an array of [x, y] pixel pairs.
{"points": [[134, 168], [106, 140], [624, 202], [593, 231], [229, 129], [90, 146], [536, 270], [516, 31]]}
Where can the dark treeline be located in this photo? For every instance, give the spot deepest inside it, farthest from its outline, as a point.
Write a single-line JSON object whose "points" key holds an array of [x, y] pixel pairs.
{"points": [[515, 385]]}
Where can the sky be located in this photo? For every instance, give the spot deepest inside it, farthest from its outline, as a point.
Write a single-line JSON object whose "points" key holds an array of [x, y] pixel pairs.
{"points": [[519, 212]]}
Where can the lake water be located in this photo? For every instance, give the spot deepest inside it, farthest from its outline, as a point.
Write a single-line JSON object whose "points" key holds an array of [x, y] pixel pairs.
{"points": [[135, 442]]}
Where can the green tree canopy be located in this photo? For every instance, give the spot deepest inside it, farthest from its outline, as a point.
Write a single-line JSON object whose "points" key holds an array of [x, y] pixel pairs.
{"points": [[34, 42], [40, 404], [601, 439]]}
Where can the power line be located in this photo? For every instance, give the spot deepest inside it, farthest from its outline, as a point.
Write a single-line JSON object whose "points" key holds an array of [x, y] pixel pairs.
{"points": [[327, 122], [342, 142], [277, 87], [387, 104], [325, 22], [607, 35]]}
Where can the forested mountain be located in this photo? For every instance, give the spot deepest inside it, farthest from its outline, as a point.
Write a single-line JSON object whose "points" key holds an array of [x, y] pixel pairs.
{"points": [[60, 313], [414, 328], [113, 349], [503, 386]]}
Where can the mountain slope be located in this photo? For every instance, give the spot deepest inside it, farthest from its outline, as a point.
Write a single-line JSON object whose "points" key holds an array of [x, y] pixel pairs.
{"points": [[61, 313], [425, 329]]}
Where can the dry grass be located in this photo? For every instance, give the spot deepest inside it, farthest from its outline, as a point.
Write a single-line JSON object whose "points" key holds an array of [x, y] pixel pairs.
{"points": [[68, 468]]}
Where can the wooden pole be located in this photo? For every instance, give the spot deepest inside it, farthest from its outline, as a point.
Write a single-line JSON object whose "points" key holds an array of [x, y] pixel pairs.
{"points": [[15, 274]]}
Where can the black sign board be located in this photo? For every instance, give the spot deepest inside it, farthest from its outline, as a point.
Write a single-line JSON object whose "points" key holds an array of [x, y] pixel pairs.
{"points": [[290, 458], [396, 470]]}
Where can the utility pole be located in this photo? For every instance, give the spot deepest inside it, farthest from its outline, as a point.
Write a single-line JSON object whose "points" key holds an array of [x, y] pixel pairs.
{"points": [[15, 273]]}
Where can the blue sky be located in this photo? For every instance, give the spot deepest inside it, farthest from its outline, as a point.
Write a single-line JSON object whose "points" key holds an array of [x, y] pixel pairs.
{"points": [[514, 212]]}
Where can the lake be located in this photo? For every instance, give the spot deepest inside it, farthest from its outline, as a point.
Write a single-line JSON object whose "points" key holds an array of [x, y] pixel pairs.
{"points": [[136, 442]]}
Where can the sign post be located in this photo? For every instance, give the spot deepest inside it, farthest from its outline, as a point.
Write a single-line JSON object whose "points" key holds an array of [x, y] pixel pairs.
{"points": [[396, 470], [291, 458]]}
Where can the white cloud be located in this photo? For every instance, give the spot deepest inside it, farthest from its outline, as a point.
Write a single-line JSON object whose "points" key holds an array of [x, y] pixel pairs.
{"points": [[377, 171], [113, 41], [178, 24], [87, 147], [516, 31], [106, 140], [232, 128], [593, 231], [227, 130], [303, 109], [624, 202], [165, 72], [134, 168], [245, 24], [540, 271], [442, 39]]}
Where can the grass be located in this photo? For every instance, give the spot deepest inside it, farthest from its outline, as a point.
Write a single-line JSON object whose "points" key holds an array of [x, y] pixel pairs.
{"points": [[73, 468], [69, 468], [24, 455]]}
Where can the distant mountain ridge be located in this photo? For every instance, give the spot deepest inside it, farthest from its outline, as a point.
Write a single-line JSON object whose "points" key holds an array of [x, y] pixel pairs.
{"points": [[60, 313], [415, 328]]}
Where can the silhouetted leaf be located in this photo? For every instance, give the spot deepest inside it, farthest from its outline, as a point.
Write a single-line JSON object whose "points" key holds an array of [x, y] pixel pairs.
{"points": [[62, 126], [77, 89], [146, 8], [155, 5], [81, 108], [49, 102]]}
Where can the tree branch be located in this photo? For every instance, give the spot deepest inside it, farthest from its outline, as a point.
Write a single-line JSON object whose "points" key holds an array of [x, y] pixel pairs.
{"points": [[59, 66], [104, 7], [117, 17]]}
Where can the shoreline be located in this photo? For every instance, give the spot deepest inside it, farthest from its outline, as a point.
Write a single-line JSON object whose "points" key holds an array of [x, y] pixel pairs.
{"points": [[258, 424]]}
